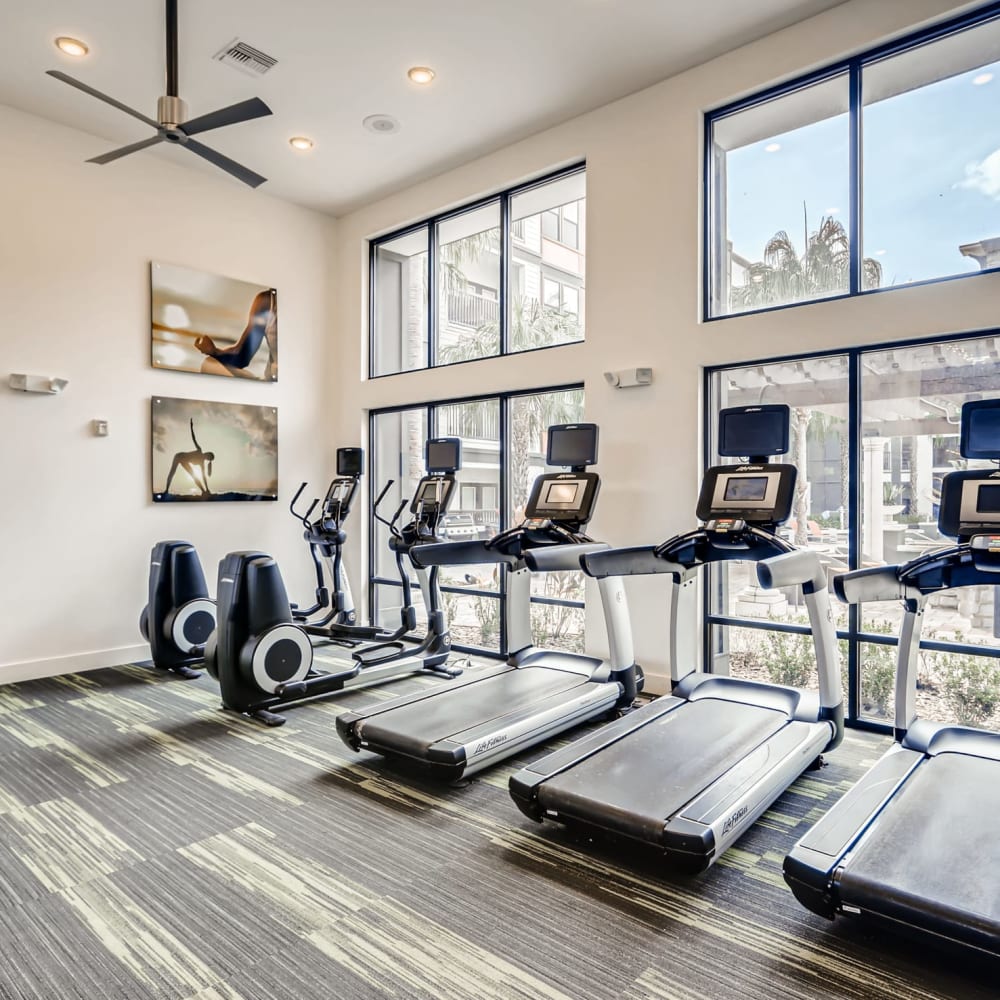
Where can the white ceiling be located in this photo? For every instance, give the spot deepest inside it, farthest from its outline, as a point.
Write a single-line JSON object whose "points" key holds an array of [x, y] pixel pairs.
{"points": [[504, 71]]}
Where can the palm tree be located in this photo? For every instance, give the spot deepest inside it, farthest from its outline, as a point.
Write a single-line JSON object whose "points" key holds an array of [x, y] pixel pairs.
{"points": [[824, 268]]}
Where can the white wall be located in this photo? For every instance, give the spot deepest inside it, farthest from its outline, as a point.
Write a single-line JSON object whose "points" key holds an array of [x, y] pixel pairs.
{"points": [[643, 285], [77, 522]]}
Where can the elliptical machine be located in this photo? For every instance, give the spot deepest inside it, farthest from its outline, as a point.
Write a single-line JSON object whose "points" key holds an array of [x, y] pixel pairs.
{"points": [[179, 616], [326, 537], [262, 658]]}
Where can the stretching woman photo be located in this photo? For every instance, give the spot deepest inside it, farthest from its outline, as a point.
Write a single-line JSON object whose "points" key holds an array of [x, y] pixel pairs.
{"points": [[262, 327], [192, 462]]}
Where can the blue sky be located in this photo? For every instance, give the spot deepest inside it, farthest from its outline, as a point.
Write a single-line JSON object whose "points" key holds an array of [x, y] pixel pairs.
{"points": [[931, 179]]}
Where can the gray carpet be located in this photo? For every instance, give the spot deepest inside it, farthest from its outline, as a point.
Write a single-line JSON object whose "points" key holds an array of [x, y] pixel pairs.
{"points": [[153, 846]]}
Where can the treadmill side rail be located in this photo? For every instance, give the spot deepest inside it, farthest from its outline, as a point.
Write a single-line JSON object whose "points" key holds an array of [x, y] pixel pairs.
{"points": [[811, 865]]}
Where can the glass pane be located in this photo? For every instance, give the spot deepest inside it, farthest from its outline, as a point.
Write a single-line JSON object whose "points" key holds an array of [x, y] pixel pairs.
{"points": [[473, 620], [911, 399], [958, 687], [817, 390], [388, 600], [398, 455], [556, 626], [540, 249], [530, 418], [474, 513], [399, 343], [468, 286], [932, 159], [770, 657], [780, 199], [878, 680]]}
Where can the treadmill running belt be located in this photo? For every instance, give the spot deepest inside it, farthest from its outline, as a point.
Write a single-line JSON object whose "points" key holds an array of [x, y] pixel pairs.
{"points": [[635, 785], [411, 729], [933, 855]]}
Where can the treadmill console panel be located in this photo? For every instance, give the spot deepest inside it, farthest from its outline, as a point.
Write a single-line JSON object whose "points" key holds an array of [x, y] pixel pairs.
{"points": [[563, 497], [970, 503], [754, 494]]}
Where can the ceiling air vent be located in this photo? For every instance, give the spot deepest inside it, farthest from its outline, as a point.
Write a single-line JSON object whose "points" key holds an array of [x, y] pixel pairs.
{"points": [[245, 58]]}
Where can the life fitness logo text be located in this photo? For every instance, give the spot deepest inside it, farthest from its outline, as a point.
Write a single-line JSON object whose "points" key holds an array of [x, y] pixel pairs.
{"points": [[493, 741], [749, 468], [735, 818]]}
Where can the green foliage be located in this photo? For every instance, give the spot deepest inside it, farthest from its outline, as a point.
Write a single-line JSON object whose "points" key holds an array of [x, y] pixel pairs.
{"points": [[971, 686], [878, 671], [790, 658], [488, 614], [823, 269]]}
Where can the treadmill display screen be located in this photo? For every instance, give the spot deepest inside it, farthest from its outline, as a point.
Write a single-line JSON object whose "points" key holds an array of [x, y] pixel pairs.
{"points": [[988, 500], [562, 494], [746, 488], [338, 493]]}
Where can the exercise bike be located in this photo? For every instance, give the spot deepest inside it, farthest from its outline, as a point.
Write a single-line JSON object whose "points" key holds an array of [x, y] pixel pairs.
{"points": [[179, 615], [263, 658]]}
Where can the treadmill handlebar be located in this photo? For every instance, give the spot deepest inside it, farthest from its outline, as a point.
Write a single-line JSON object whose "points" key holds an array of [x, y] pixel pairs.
{"points": [[465, 553], [638, 560], [879, 583], [791, 569], [558, 558]]}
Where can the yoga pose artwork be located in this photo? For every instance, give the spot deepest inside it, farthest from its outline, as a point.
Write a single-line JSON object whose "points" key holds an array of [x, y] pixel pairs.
{"points": [[261, 328], [243, 462], [197, 464], [208, 323]]}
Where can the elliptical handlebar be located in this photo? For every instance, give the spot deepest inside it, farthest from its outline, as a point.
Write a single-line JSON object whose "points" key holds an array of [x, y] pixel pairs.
{"points": [[302, 517], [391, 522]]}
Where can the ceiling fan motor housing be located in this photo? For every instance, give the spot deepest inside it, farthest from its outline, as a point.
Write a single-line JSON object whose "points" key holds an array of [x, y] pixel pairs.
{"points": [[171, 111]]}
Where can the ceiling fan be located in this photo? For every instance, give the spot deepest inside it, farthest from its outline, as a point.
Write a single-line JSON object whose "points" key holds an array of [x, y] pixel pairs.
{"points": [[170, 112]]}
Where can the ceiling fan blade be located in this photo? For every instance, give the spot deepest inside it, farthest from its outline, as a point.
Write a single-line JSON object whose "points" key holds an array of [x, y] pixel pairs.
{"points": [[102, 97], [125, 150], [242, 173], [233, 115]]}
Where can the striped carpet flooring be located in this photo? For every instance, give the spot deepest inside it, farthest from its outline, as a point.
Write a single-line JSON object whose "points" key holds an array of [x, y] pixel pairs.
{"points": [[152, 846]]}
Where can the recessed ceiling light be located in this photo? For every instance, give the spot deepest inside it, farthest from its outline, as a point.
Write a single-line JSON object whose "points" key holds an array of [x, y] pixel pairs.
{"points": [[772, 147], [71, 46], [383, 124], [978, 81], [301, 142], [879, 253], [420, 74]]}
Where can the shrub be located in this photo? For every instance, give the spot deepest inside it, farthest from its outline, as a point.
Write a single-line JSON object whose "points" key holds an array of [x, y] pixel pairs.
{"points": [[878, 671], [971, 687], [488, 614], [789, 657]]}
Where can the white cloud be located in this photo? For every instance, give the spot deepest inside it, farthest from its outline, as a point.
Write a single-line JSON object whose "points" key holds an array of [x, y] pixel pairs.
{"points": [[984, 176]]}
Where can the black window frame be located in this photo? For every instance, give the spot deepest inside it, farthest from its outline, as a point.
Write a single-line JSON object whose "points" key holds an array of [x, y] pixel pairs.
{"points": [[854, 635], [429, 407], [433, 307], [853, 68]]}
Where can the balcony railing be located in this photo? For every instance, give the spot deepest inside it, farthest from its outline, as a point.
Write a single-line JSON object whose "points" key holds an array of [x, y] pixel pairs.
{"points": [[472, 310], [470, 420]]}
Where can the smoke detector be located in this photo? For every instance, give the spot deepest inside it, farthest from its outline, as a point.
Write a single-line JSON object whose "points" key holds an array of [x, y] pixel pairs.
{"points": [[383, 124], [245, 58]]}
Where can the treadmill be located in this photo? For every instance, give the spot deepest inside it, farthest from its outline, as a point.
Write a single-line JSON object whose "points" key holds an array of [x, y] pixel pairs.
{"points": [[914, 843], [689, 773], [538, 693]]}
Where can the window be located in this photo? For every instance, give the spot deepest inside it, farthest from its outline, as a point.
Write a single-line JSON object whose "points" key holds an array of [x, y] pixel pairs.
{"points": [[879, 507], [503, 450], [878, 172], [469, 284]]}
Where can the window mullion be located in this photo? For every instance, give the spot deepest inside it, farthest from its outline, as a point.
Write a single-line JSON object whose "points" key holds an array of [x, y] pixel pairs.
{"points": [[855, 126], [504, 289], [432, 295]]}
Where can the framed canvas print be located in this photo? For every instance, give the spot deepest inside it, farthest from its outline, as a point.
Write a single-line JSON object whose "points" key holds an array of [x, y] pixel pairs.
{"points": [[206, 323], [205, 451]]}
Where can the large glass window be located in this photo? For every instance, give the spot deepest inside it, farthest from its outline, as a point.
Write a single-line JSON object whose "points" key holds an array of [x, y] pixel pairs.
{"points": [[875, 173], [880, 509], [503, 449], [505, 275]]}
